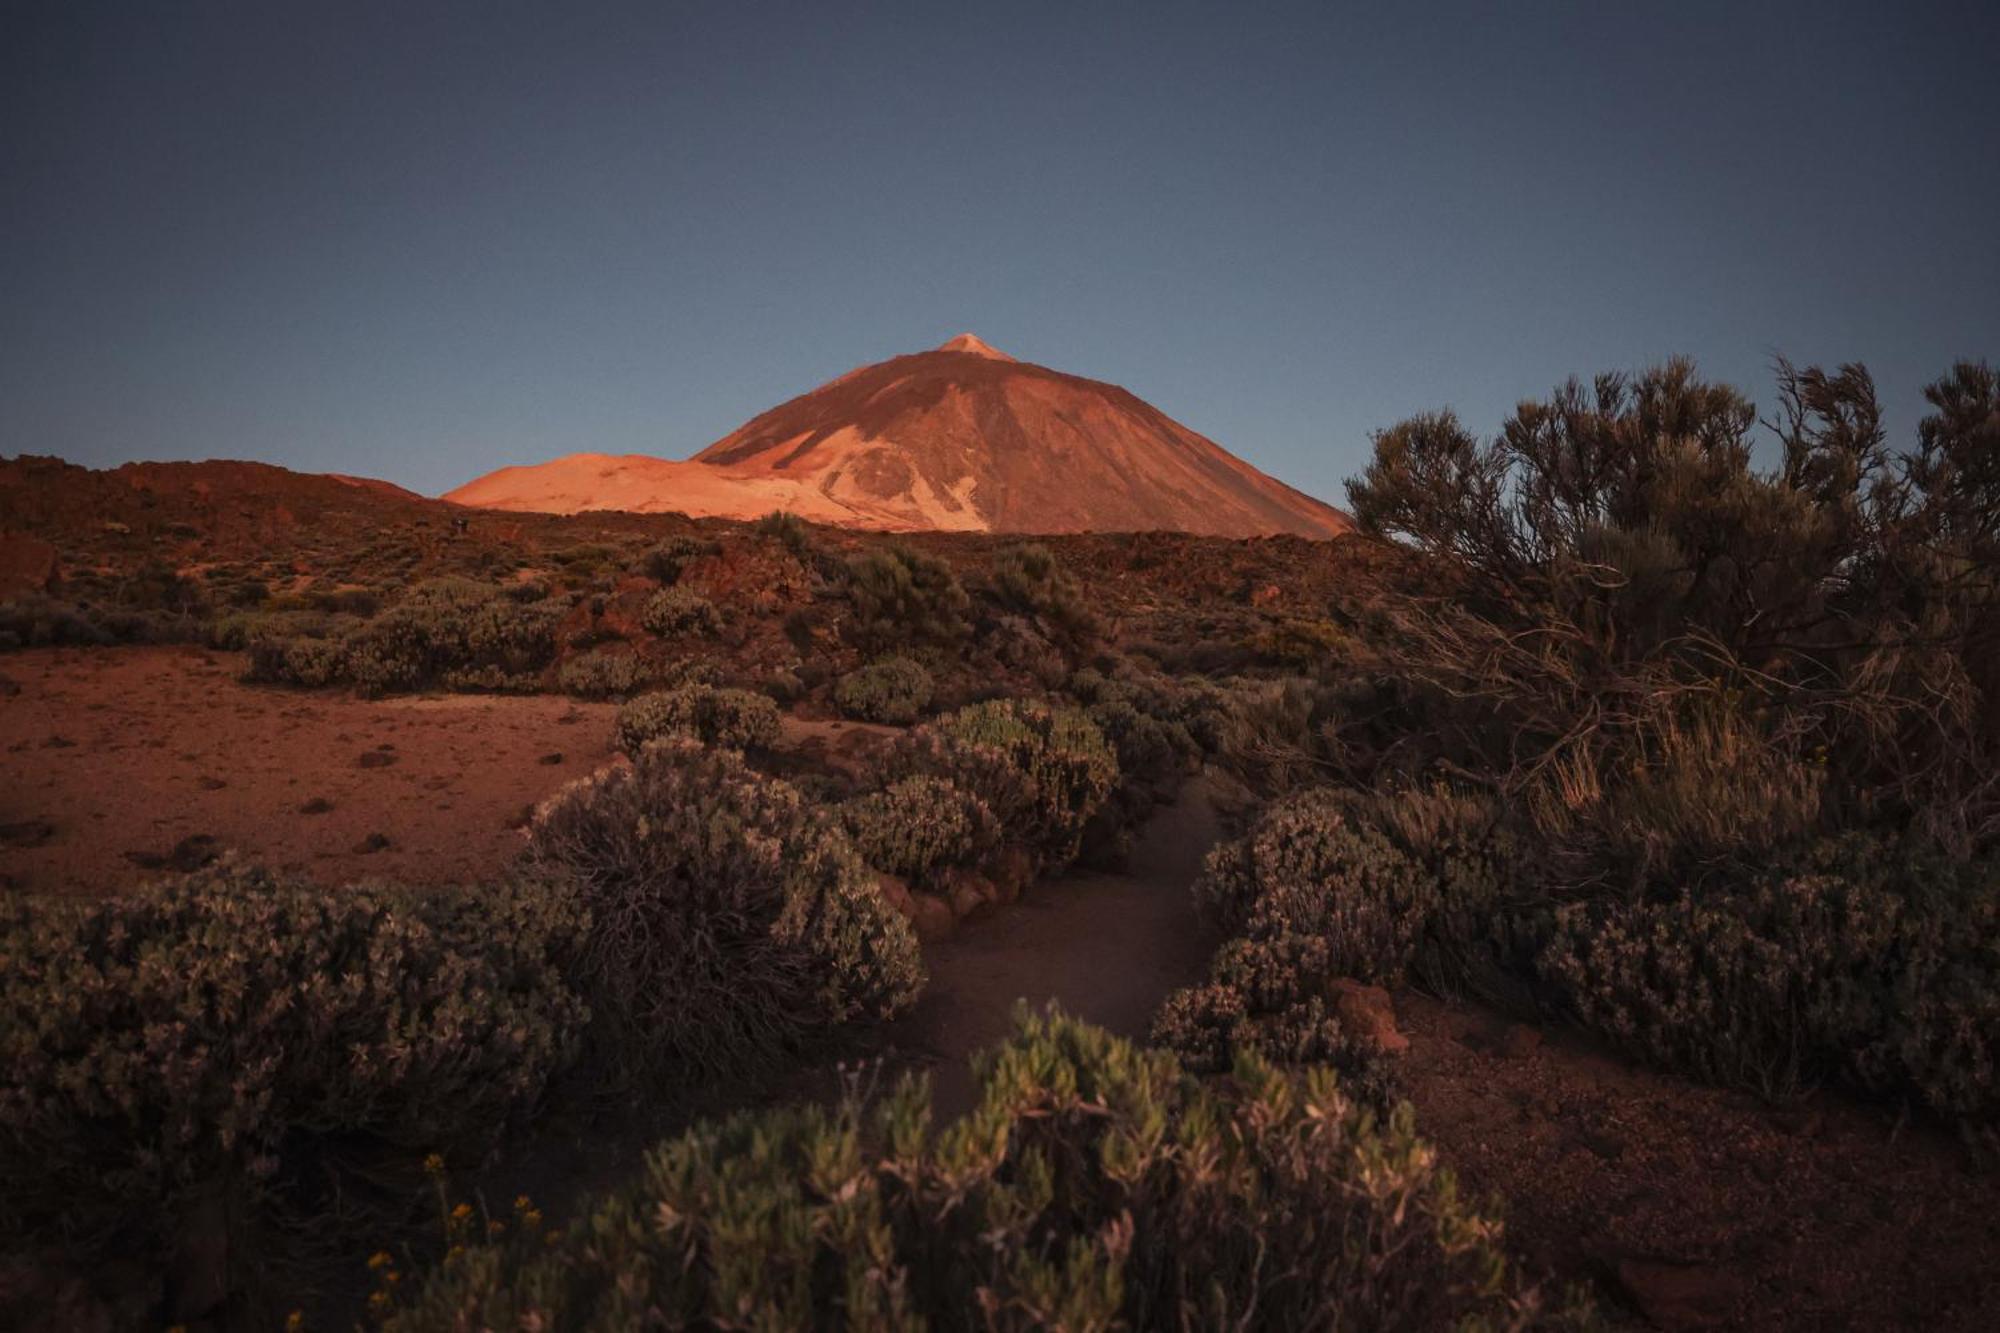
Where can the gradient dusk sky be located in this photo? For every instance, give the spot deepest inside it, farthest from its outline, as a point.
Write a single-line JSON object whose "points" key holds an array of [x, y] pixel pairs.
{"points": [[420, 241]]}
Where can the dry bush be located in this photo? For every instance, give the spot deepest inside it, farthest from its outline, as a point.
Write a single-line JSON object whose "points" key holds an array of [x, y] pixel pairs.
{"points": [[1042, 769], [729, 919], [217, 1033], [731, 719], [895, 690], [918, 826]]}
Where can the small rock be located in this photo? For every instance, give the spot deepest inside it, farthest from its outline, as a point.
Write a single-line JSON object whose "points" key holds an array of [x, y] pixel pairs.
{"points": [[1678, 1296], [1604, 1143], [1519, 1041], [897, 894], [967, 891], [1013, 870], [1800, 1122], [1368, 1013], [552, 758], [27, 833], [318, 805], [58, 743], [376, 759], [930, 917], [374, 842], [211, 784]]}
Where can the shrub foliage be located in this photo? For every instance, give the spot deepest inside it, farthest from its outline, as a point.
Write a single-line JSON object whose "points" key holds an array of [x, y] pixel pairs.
{"points": [[1094, 1186], [732, 719], [728, 918], [205, 1034]]}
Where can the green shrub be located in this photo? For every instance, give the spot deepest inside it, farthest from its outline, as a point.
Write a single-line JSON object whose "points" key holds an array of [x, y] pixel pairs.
{"points": [[296, 661], [1029, 581], [895, 690], [673, 611], [216, 1031], [918, 826], [1043, 770], [728, 918], [666, 560], [787, 529], [1095, 1186], [904, 599], [1873, 962], [1306, 867], [443, 630], [732, 719], [600, 675]]}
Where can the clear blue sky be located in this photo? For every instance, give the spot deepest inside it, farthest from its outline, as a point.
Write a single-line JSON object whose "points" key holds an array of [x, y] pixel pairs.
{"points": [[420, 241]]}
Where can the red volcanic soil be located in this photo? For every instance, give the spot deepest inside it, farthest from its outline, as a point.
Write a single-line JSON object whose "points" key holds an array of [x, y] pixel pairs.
{"points": [[117, 765], [962, 438]]}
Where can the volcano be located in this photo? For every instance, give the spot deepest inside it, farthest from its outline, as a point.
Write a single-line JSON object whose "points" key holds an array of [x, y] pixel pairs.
{"points": [[961, 438]]}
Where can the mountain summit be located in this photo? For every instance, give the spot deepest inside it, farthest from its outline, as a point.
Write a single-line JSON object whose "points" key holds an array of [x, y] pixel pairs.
{"points": [[962, 438]]}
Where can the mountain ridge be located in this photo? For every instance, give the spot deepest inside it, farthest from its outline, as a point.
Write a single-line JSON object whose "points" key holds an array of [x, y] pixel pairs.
{"points": [[962, 437]]}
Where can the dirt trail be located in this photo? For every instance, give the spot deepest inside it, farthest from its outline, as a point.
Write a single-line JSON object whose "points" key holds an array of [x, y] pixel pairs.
{"points": [[1108, 947]]}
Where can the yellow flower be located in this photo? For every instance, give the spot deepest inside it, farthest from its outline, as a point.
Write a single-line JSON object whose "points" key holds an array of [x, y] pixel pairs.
{"points": [[462, 1212], [434, 1165], [380, 1259], [295, 1321]]}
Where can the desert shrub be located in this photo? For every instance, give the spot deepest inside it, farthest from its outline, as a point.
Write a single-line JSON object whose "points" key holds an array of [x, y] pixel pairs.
{"points": [[600, 675], [1626, 592], [1029, 581], [1873, 962], [1095, 1185], [445, 630], [904, 599], [676, 610], [894, 690], [728, 918], [666, 560], [1308, 867], [918, 826], [1042, 769], [222, 1029], [1209, 1027], [787, 529], [38, 622], [732, 719]]}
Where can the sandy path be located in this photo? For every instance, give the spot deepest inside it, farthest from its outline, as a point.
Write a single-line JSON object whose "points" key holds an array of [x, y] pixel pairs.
{"points": [[1107, 947]]}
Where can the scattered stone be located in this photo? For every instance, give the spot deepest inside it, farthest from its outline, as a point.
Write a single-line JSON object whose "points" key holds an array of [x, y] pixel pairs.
{"points": [[58, 743], [1680, 1296], [27, 833], [318, 805], [1368, 1013], [211, 784], [376, 759], [190, 853], [966, 890], [1604, 1143], [897, 894], [1519, 1041], [552, 758], [374, 842], [1012, 871], [930, 917], [1800, 1122]]}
